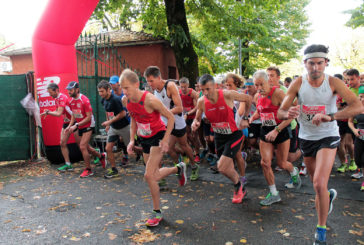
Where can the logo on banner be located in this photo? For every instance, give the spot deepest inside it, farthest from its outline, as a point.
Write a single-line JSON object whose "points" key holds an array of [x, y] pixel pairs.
{"points": [[43, 84]]}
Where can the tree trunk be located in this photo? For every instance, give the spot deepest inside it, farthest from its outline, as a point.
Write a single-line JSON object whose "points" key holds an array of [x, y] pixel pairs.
{"points": [[245, 61], [179, 34]]}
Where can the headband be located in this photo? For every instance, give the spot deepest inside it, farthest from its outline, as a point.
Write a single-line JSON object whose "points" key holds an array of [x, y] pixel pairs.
{"points": [[315, 55], [249, 83]]}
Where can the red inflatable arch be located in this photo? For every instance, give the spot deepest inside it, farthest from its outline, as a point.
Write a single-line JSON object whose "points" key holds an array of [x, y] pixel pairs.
{"points": [[54, 59]]}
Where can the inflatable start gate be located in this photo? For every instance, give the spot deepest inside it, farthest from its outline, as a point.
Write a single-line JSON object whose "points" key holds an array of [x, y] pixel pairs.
{"points": [[54, 59]]}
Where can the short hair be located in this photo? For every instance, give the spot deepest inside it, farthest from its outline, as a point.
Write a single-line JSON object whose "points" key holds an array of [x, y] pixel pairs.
{"points": [[339, 76], [276, 69], [316, 48], [129, 75], [238, 80], [184, 80], [260, 74], [104, 84], [52, 86], [353, 72], [288, 79], [152, 71], [205, 79]]}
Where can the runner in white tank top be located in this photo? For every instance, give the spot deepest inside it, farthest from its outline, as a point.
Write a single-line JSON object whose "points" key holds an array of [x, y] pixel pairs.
{"points": [[319, 133], [167, 92]]}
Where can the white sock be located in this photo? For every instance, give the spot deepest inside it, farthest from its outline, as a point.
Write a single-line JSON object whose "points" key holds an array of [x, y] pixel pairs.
{"points": [[273, 190], [68, 163], [294, 172]]}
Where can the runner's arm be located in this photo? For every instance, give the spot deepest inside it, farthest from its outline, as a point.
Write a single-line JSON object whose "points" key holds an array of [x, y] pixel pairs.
{"points": [[234, 95], [280, 96], [176, 98], [289, 99], [194, 96], [133, 129], [354, 106], [351, 126], [86, 119]]}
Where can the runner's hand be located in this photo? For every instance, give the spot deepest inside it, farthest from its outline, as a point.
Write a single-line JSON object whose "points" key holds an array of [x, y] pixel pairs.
{"points": [[44, 113], [163, 144], [272, 135], [243, 124], [105, 124], [107, 128], [320, 118], [130, 147], [195, 125], [293, 112], [356, 132]]}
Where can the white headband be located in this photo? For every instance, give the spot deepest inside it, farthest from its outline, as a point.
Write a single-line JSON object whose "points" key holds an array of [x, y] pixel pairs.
{"points": [[315, 55]]}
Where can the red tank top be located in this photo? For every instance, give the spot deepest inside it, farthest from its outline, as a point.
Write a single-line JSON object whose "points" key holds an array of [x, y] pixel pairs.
{"points": [[148, 124], [187, 103], [220, 115], [268, 111]]}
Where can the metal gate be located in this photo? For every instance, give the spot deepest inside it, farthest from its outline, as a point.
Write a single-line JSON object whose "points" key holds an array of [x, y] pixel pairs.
{"points": [[97, 59]]}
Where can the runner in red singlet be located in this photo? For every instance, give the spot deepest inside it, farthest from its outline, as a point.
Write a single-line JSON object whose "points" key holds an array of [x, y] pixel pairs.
{"points": [[145, 111], [273, 133], [189, 99], [85, 124], [63, 109], [218, 108]]}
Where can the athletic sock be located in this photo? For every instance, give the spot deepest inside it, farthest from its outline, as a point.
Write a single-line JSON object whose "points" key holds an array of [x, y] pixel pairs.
{"points": [[294, 172], [273, 190], [321, 226], [68, 163], [157, 211]]}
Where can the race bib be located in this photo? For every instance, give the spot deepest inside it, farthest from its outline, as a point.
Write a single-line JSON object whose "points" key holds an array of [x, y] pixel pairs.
{"points": [[110, 115], [77, 113], [308, 112], [144, 129], [221, 128], [268, 119]]}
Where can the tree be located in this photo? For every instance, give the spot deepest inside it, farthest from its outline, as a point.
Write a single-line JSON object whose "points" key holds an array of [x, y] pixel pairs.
{"points": [[272, 31], [357, 17]]}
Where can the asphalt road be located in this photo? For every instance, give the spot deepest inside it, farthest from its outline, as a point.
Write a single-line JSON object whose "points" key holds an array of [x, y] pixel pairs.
{"points": [[38, 205]]}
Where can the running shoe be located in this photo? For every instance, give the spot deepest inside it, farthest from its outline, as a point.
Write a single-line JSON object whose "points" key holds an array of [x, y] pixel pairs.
{"points": [[65, 168], [357, 175], [239, 195], [162, 182], [197, 159], [96, 160], [303, 171], [333, 194], [155, 219], [270, 199], [124, 161], [195, 172], [210, 158], [352, 166], [110, 173], [295, 181], [342, 168], [86, 173], [277, 168], [362, 186], [203, 153], [103, 160], [320, 236], [182, 176]]}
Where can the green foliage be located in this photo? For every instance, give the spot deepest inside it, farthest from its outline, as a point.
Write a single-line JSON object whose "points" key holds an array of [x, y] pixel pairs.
{"points": [[272, 31], [357, 17]]}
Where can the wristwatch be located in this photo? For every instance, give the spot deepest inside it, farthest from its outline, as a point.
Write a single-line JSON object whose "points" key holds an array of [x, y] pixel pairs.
{"points": [[245, 118], [331, 115]]}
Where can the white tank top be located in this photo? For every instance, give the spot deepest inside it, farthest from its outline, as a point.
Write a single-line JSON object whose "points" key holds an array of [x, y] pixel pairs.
{"points": [[179, 122], [312, 101]]}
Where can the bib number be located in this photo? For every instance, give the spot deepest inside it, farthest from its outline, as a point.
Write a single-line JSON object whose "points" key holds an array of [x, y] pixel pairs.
{"points": [[144, 129], [110, 115], [221, 128], [268, 119], [308, 112], [77, 113]]}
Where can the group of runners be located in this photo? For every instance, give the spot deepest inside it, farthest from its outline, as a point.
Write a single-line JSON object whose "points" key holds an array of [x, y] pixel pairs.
{"points": [[225, 123]]}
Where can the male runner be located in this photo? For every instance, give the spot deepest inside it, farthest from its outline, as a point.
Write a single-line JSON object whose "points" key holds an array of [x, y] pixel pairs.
{"points": [[218, 108], [167, 93], [145, 111], [116, 124], [63, 109], [319, 134], [189, 99], [85, 124]]}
